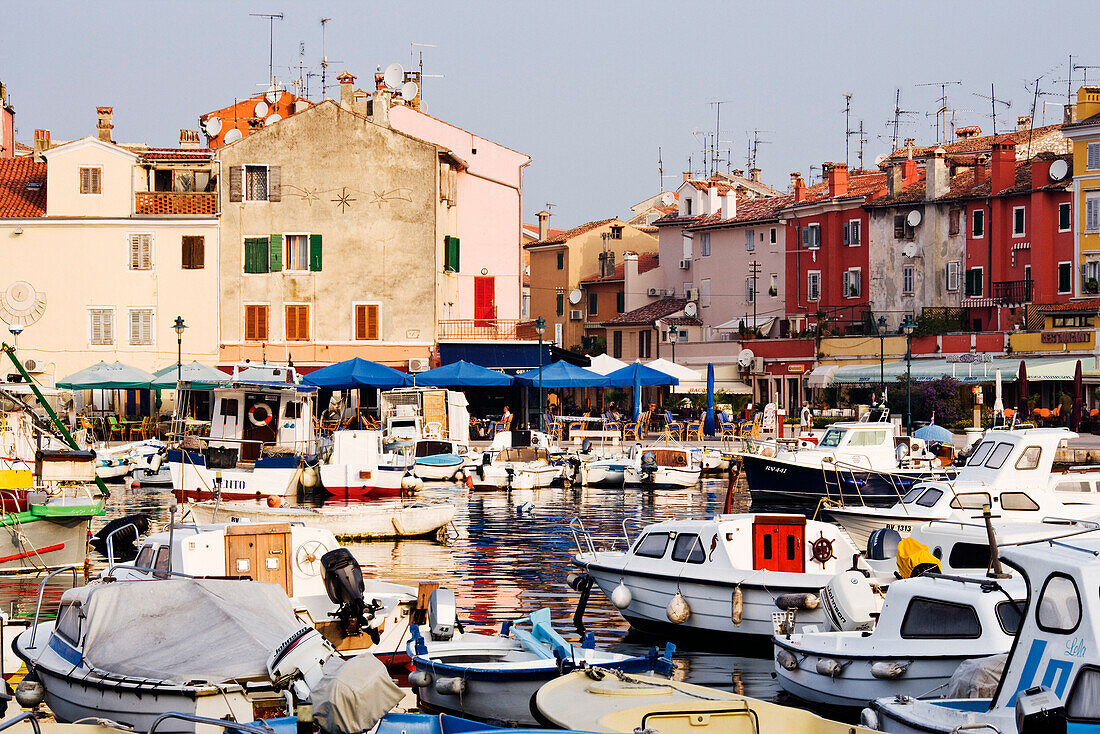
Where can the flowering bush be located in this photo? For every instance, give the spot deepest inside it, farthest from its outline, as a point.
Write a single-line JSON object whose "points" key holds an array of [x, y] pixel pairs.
{"points": [[948, 398]]}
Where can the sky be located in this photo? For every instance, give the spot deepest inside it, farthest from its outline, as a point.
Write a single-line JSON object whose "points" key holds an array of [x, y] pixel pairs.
{"points": [[593, 91]]}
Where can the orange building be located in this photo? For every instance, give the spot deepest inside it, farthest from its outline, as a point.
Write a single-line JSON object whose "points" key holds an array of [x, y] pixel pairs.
{"points": [[232, 123]]}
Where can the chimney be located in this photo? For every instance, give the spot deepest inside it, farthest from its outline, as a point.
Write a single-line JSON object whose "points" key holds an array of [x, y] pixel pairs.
{"points": [[937, 182], [1023, 122], [104, 123], [837, 175], [981, 169], [633, 296], [729, 205], [754, 174], [380, 107], [1003, 174], [798, 188], [687, 176], [544, 223], [739, 172], [908, 171], [713, 199], [189, 139], [347, 89], [970, 131], [894, 180], [910, 143], [41, 144]]}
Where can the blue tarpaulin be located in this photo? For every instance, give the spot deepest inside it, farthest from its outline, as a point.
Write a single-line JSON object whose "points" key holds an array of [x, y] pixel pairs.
{"points": [[462, 374], [358, 373], [562, 374]]}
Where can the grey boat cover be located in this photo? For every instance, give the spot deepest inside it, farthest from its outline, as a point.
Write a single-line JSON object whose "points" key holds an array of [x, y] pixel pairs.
{"points": [[353, 694], [976, 678], [185, 630]]}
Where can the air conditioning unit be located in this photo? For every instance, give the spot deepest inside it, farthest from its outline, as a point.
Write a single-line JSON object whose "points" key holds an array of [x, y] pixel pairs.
{"points": [[575, 314], [692, 294], [653, 292], [758, 365], [685, 264], [33, 365], [669, 292], [419, 364]]}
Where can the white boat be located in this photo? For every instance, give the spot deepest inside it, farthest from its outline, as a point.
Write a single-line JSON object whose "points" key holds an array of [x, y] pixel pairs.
{"points": [[663, 466], [359, 467], [928, 625], [369, 521], [493, 677], [605, 472], [518, 460], [1053, 669], [438, 459], [730, 574]]}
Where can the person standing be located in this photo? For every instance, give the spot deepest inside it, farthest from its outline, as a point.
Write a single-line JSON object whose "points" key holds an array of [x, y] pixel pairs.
{"points": [[807, 420]]}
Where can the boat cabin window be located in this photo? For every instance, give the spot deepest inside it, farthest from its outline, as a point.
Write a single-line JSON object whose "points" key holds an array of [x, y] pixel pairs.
{"points": [[669, 457], [980, 453], [968, 555], [1083, 703], [1029, 458], [998, 455], [867, 438], [832, 438], [1073, 485], [1017, 501], [68, 622], [929, 618], [930, 498], [293, 410], [688, 548], [162, 565], [1059, 608], [1009, 614], [911, 495], [973, 499], [229, 406], [432, 448], [144, 557], [652, 545], [524, 453]]}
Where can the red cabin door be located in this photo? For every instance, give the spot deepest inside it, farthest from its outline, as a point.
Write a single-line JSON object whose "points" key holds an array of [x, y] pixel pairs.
{"points": [[778, 544], [485, 300]]}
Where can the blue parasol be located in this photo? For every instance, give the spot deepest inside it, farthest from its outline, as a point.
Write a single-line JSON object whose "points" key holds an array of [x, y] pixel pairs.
{"points": [[708, 423]]}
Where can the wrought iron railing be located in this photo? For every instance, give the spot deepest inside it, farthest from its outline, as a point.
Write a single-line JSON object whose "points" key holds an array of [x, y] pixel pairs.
{"points": [[487, 329], [1011, 291]]}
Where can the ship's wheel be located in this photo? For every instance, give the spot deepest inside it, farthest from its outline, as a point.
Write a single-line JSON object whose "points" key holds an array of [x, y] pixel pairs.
{"points": [[308, 557], [822, 550], [21, 304]]}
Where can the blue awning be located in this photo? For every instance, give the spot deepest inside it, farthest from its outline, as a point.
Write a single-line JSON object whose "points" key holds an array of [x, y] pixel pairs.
{"points": [[562, 374]]}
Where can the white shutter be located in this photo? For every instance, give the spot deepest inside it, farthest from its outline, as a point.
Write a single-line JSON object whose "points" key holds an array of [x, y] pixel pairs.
{"points": [[847, 283], [101, 326], [141, 252], [1093, 156], [1092, 214]]}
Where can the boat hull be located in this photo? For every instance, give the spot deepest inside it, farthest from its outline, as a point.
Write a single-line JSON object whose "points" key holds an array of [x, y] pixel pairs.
{"points": [[50, 543], [439, 470], [365, 522], [275, 476], [860, 525]]}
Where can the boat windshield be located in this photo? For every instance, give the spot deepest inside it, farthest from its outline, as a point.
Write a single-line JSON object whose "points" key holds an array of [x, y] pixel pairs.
{"points": [[403, 428], [912, 495], [832, 438]]}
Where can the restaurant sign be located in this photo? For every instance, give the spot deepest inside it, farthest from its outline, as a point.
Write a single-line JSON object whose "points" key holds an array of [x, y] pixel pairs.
{"points": [[969, 358], [796, 368], [1065, 337]]}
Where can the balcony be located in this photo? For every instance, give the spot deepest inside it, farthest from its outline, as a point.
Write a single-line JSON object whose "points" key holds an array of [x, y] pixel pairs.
{"points": [[1011, 292], [176, 203], [486, 330]]}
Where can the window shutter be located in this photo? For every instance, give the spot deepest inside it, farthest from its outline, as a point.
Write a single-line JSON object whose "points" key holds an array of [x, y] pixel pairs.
{"points": [[135, 252], [95, 180], [303, 322], [249, 323], [1093, 156], [805, 236], [135, 327], [360, 322], [315, 253], [847, 233], [372, 322], [236, 181], [274, 183], [847, 282], [256, 255], [1092, 214], [198, 252], [275, 253]]}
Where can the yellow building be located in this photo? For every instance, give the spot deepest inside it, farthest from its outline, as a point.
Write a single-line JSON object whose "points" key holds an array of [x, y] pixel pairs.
{"points": [[1084, 134]]}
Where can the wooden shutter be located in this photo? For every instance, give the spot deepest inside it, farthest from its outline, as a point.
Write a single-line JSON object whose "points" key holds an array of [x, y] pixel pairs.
{"points": [[274, 183], [135, 326], [256, 255], [102, 326], [194, 255], [236, 183], [847, 233], [141, 252], [366, 322], [1093, 156], [275, 253], [315, 253], [297, 323], [255, 323], [1092, 214], [451, 256]]}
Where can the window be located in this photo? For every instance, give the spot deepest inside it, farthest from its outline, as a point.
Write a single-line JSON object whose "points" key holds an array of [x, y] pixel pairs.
{"points": [[1083, 703], [451, 255], [297, 323], [141, 252], [255, 323], [811, 236], [973, 499], [255, 183], [620, 302], [90, 180], [980, 453], [645, 344], [297, 252], [616, 231], [561, 261], [229, 407], [902, 229], [292, 410], [1065, 218], [101, 326], [1059, 608], [977, 228], [704, 244], [930, 498], [1009, 614], [973, 282], [1065, 277], [163, 564], [366, 322], [652, 545], [852, 232], [616, 344], [559, 304], [750, 290], [687, 207], [969, 555], [813, 285], [193, 252], [704, 292], [952, 276], [593, 304], [1018, 501], [773, 285], [939, 619], [1017, 221], [144, 557], [750, 240], [998, 455], [141, 326], [687, 245], [1093, 157], [1092, 212], [907, 279], [1029, 458], [954, 216], [1073, 486], [832, 437], [68, 622], [773, 236], [688, 548], [852, 283]]}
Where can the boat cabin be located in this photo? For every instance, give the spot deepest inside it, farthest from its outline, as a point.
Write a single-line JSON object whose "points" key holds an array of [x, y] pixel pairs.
{"points": [[1014, 457], [667, 456], [437, 413]]}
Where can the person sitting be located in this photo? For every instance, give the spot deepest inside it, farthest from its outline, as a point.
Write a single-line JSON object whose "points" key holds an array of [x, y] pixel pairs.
{"points": [[506, 418]]}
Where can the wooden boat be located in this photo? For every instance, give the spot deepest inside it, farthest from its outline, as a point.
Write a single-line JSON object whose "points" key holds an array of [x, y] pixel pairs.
{"points": [[602, 700], [350, 522]]}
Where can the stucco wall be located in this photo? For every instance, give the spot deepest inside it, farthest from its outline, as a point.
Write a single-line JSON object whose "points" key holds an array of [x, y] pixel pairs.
{"points": [[63, 180]]}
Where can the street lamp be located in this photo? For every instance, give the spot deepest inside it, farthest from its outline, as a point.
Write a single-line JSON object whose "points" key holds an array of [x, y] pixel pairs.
{"points": [[882, 355], [908, 326], [673, 336], [178, 327], [540, 326], [16, 330]]}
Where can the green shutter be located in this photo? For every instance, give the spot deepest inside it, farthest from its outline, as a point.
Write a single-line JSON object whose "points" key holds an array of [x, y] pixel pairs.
{"points": [[255, 255], [451, 254], [275, 253], [315, 253]]}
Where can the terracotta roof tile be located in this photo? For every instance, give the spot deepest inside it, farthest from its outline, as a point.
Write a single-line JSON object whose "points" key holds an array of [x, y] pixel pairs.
{"points": [[646, 261], [1087, 305], [16, 199], [569, 234], [976, 145], [177, 154], [867, 185], [750, 210], [648, 313]]}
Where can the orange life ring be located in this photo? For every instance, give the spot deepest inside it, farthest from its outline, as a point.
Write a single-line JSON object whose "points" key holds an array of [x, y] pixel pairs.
{"points": [[268, 414]]}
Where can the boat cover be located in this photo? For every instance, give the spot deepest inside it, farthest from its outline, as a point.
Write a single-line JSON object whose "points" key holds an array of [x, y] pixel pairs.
{"points": [[182, 630], [915, 559], [976, 678], [353, 694]]}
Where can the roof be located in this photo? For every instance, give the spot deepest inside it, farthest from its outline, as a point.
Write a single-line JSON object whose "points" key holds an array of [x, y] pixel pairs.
{"points": [[16, 200], [866, 185], [569, 234], [750, 210], [646, 261], [649, 313], [21, 149], [977, 144], [178, 154], [1088, 305]]}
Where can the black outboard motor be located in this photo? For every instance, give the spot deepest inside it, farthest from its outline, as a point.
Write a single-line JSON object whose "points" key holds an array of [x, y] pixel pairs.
{"points": [[649, 466], [344, 584], [125, 540], [586, 446]]}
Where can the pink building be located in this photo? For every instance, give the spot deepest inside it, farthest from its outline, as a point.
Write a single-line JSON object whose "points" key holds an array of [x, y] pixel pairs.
{"points": [[7, 125]]}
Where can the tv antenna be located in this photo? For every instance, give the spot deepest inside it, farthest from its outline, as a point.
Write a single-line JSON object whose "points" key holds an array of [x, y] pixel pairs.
{"points": [[324, 59], [861, 140], [717, 120], [847, 124], [898, 112], [754, 272], [941, 112], [271, 17], [754, 143], [993, 102], [661, 171]]}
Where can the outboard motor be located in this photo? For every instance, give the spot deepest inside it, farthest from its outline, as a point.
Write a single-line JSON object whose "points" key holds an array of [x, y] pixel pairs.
{"points": [[883, 544], [486, 460], [648, 466], [344, 584], [849, 602], [586, 446], [1038, 710], [295, 665], [442, 614], [123, 542]]}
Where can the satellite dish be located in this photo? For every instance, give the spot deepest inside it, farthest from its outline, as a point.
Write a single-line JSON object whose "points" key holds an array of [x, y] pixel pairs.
{"points": [[301, 105], [213, 126], [409, 90], [691, 308], [575, 296], [272, 96], [910, 250], [272, 119], [261, 109], [745, 357], [913, 219], [21, 304], [1058, 169], [232, 136], [879, 159], [393, 76]]}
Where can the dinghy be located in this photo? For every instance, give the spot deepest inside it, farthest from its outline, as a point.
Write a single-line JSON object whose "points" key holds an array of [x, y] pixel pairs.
{"points": [[518, 460], [492, 677]]}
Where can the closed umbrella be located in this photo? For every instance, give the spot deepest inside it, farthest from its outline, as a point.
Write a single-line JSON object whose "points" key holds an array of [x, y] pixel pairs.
{"points": [[1078, 399], [201, 376], [1021, 391], [998, 403], [708, 423], [637, 395]]}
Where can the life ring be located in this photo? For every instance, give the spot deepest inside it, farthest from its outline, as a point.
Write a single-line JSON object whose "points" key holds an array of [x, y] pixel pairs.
{"points": [[267, 411]]}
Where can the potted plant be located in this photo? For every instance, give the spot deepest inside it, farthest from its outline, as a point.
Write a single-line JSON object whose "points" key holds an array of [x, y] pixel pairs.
{"points": [[1091, 285]]}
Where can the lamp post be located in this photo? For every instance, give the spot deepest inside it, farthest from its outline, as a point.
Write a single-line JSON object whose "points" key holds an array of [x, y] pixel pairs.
{"points": [[882, 355], [908, 326], [673, 336], [540, 326], [178, 327], [16, 330]]}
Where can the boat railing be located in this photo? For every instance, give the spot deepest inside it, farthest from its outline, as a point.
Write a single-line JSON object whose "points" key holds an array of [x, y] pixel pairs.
{"points": [[976, 727], [42, 591], [157, 573], [742, 710], [22, 717], [844, 470], [579, 531], [222, 723], [111, 546], [632, 521], [305, 446]]}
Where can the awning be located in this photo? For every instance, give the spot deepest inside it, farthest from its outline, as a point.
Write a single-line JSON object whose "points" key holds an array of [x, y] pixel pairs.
{"points": [[735, 387], [678, 371], [605, 364], [103, 376], [972, 372], [200, 377], [821, 376]]}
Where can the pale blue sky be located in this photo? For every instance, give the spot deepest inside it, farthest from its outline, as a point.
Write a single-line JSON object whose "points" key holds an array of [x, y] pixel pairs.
{"points": [[589, 90]]}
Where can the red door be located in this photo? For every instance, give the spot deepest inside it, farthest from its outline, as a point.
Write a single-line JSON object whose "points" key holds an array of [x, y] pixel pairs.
{"points": [[777, 543], [485, 300]]}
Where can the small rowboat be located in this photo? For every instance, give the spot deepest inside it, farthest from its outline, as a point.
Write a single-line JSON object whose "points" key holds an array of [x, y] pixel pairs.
{"points": [[439, 467], [347, 523]]}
